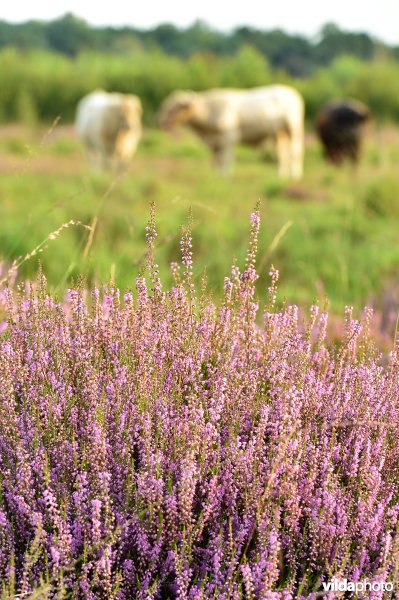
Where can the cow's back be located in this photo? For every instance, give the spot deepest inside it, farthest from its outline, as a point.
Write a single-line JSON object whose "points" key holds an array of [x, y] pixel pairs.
{"points": [[253, 114], [267, 110]]}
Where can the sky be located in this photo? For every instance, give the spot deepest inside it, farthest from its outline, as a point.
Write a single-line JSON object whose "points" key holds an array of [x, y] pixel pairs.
{"points": [[379, 18]]}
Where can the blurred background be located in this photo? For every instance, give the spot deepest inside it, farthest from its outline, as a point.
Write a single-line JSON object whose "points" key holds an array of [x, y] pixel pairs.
{"points": [[334, 235]]}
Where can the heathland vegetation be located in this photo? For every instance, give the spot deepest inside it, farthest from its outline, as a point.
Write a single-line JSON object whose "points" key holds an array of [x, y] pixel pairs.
{"points": [[174, 427], [154, 445]]}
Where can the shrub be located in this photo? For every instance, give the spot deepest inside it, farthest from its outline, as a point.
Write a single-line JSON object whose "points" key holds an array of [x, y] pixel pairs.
{"points": [[158, 446], [50, 85], [26, 109]]}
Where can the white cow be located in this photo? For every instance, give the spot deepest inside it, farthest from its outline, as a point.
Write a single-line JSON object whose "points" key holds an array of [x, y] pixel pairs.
{"points": [[223, 118], [109, 125]]}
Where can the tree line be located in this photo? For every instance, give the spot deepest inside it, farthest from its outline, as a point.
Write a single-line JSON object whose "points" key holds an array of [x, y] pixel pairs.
{"points": [[295, 54], [47, 67]]}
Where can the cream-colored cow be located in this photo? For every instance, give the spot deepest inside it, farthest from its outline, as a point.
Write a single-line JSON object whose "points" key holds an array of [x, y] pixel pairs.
{"points": [[223, 118], [109, 125]]}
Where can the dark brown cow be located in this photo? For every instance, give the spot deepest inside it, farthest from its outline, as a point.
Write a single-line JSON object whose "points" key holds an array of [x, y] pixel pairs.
{"points": [[340, 128]]}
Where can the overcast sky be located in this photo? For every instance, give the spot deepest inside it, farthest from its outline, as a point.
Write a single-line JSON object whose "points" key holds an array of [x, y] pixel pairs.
{"points": [[377, 17]]}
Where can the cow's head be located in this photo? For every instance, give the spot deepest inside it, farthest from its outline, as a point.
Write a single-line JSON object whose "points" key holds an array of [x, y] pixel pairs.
{"points": [[345, 113], [176, 109]]}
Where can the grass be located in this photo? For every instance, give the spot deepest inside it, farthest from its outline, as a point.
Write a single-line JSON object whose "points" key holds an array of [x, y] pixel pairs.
{"points": [[333, 235]]}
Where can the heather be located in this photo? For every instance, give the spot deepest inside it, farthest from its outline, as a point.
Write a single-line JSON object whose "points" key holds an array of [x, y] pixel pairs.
{"points": [[154, 444]]}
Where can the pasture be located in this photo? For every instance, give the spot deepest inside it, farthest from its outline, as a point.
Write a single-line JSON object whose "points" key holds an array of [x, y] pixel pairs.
{"points": [[333, 236]]}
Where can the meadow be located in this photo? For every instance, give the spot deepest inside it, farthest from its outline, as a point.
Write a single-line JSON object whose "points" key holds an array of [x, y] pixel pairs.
{"points": [[333, 236]]}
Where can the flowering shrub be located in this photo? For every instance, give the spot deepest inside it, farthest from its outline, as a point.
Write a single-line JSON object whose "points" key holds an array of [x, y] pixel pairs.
{"points": [[162, 447]]}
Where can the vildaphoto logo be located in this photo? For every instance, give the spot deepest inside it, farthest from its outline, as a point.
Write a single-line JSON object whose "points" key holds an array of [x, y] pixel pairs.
{"points": [[343, 585]]}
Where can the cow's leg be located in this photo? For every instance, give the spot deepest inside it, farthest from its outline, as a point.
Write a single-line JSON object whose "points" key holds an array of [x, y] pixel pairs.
{"points": [[103, 160], [92, 154], [98, 160], [354, 150], [223, 158], [283, 153], [297, 152]]}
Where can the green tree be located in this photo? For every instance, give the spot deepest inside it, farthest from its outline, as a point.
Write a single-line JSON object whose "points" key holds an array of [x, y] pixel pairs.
{"points": [[69, 34], [335, 42]]}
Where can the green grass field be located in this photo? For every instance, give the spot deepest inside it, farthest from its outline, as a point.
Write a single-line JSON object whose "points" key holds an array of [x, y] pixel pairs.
{"points": [[333, 235]]}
